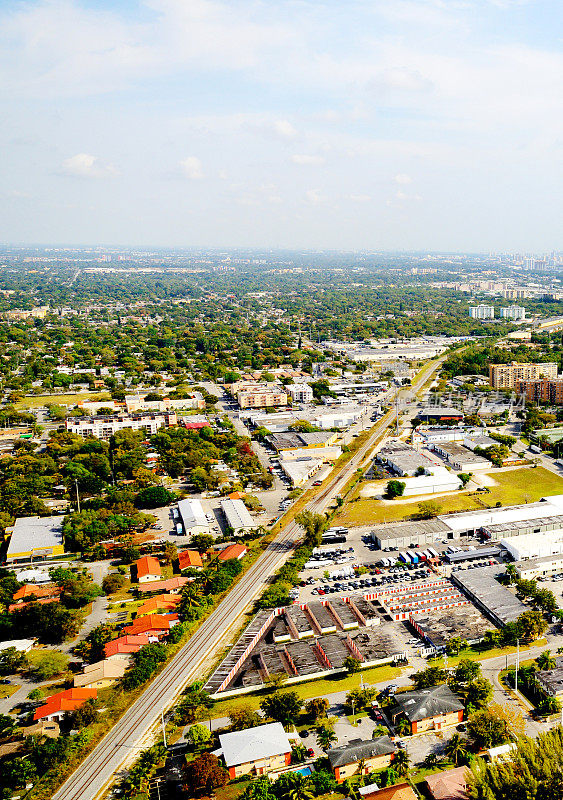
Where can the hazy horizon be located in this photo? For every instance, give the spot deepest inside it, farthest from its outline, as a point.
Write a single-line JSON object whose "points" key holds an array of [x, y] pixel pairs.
{"points": [[393, 125]]}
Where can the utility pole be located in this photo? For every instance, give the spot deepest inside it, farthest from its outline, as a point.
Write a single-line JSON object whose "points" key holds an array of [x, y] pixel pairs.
{"points": [[77, 495], [517, 664], [397, 412], [163, 728]]}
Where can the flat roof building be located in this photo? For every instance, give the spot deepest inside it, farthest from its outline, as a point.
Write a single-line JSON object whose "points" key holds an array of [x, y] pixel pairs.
{"points": [[438, 628], [461, 458], [193, 517], [482, 588], [539, 567], [505, 376], [402, 458], [35, 538], [237, 516]]}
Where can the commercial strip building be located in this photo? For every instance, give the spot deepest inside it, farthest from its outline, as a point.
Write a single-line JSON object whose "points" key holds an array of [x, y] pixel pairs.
{"points": [[482, 588], [35, 538], [193, 517], [300, 441], [403, 459], [104, 427], [506, 376], [237, 516]]}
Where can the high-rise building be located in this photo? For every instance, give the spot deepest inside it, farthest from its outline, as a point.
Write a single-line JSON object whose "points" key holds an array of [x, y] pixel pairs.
{"points": [[513, 312], [541, 391], [506, 376], [482, 312]]}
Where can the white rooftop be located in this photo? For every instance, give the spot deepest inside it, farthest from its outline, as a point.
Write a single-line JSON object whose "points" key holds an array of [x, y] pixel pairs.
{"points": [[494, 516], [192, 514], [35, 533], [21, 645], [237, 514], [254, 744]]}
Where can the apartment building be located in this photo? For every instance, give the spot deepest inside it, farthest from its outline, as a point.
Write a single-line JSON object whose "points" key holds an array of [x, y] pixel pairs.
{"points": [[105, 426], [513, 312], [300, 392], [482, 312], [541, 391], [261, 396], [506, 376]]}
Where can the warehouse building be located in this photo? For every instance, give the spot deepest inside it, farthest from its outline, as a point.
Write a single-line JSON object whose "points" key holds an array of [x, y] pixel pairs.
{"points": [[193, 517], [534, 545], [403, 459], [439, 480], [237, 516], [300, 441], [35, 538], [439, 628], [482, 588], [300, 470], [440, 433], [402, 535], [542, 567], [461, 458]]}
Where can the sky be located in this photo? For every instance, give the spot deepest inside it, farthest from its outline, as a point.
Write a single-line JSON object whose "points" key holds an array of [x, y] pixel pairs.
{"points": [[310, 124]]}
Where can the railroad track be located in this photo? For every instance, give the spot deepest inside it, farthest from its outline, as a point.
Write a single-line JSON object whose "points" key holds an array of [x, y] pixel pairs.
{"points": [[95, 773]]}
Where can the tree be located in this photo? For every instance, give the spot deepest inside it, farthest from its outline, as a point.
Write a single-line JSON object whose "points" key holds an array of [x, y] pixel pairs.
{"points": [[244, 717], [465, 671], [8, 726], [531, 625], [546, 661], [11, 661], [431, 676], [352, 665], [154, 497], [456, 749], [194, 704], [403, 727], [477, 693], [203, 775], [379, 730], [513, 718], [316, 708], [314, 525], [401, 762], [170, 553], [282, 707], [84, 716], [487, 730], [325, 736], [455, 645], [47, 664], [202, 542], [113, 583], [298, 787], [428, 509], [198, 735], [395, 489]]}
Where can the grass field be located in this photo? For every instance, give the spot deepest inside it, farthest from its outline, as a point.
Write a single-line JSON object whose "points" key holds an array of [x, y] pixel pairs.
{"points": [[8, 690], [524, 485], [319, 688], [38, 401]]}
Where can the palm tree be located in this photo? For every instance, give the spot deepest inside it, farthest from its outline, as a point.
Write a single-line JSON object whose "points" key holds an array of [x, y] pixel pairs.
{"points": [[431, 760], [401, 762], [379, 730], [546, 661], [511, 572], [456, 749], [402, 727], [325, 736], [299, 788]]}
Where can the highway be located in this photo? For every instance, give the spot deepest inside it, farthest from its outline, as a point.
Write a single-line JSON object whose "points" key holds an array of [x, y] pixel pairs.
{"points": [[99, 768]]}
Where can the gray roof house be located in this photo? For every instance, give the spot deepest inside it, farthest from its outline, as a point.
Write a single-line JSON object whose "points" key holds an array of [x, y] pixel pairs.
{"points": [[361, 756], [429, 709]]}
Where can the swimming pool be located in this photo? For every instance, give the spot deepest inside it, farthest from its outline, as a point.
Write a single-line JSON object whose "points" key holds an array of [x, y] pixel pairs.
{"points": [[306, 771]]}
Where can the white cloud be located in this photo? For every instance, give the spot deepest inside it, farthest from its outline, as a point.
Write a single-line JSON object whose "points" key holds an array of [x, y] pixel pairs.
{"points": [[307, 160], [284, 129], [191, 168], [402, 179], [314, 197], [85, 165], [359, 198]]}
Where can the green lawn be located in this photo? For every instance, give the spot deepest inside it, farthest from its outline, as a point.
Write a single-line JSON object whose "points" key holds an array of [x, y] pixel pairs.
{"points": [[67, 399], [338, 683], [527, 484]]}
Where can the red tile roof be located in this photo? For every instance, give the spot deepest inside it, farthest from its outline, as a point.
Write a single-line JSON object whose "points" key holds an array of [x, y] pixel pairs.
{"points": [[170, 585], [125, 644], [147, 565], [233, 551], [28, 590], [189, 558], [163, 602], [152, 623], [69, 700]]}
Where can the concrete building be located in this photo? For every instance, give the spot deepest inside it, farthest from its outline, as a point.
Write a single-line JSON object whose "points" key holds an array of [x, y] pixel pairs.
{"points": [[101, 674], [261, 396], [426, 437], [482, 588], [300, 470], [506, 376], [461, 458], [301, 441], [482, 312], [542, 567], [255, 751], [534, 545], [438, 628], [430, 709], [193, 517], [35, 538], [360, 757], [104, 427], [300, 392], [513, 312], [541, 391], [439, 480], [402, 535], [403, 459], [237, 516]]}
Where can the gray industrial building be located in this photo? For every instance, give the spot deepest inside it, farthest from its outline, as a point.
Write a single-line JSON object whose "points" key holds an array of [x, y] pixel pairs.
{"points": [[482, 588], [405, 534], [503, 530], [403, 459]]}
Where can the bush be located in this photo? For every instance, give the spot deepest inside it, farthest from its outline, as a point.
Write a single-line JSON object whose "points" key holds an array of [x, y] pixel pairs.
{"points": [[112, 583]]}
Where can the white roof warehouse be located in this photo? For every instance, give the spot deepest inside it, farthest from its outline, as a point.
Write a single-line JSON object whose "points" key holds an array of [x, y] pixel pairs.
{"points": [[35, 537]]}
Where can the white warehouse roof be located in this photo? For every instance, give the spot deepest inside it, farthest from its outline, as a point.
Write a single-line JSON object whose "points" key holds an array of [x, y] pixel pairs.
{"points": [[192, 514], [31, 534], [254, 744], [534, 545], [494, 516], [237, 515]]}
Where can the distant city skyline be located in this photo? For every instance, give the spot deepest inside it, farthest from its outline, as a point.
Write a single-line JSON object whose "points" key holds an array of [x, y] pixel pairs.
{"points": [[413, 125]]}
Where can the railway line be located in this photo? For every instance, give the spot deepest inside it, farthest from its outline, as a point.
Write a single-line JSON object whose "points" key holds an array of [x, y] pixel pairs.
{"points": [[116, 748]]}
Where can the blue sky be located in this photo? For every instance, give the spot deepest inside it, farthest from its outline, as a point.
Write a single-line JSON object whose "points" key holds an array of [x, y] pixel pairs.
{"points": [[411, 124]]}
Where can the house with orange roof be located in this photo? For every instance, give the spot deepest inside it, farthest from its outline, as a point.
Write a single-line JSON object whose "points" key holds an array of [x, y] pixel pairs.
{"points": [[148, 569], [124, 646], [237, 551], [155, 626], [170, 585], [59, 704], [163, 602], [190, 559], [30, 591]]}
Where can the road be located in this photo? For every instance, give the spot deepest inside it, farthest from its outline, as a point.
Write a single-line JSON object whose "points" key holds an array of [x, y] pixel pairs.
{"points": [[129, 733]]}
